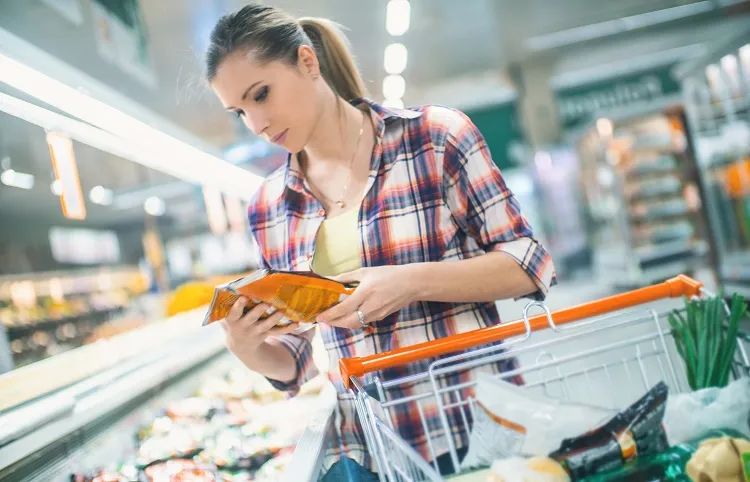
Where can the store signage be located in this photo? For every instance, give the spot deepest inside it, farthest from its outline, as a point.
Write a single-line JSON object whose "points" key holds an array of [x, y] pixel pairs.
{"points": [[581, 103], [501, 128], [66, 171]]}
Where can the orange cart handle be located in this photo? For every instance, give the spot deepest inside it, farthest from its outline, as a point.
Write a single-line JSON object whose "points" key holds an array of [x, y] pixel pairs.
{"points": [[356, 367]]}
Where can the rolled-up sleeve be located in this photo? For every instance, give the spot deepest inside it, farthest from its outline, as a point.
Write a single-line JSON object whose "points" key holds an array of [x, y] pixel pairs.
{"points": [[485, 208], [300, 347]]}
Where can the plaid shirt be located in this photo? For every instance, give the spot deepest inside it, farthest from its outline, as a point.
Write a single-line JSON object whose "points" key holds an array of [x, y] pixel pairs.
{"points": [[433, 194]]}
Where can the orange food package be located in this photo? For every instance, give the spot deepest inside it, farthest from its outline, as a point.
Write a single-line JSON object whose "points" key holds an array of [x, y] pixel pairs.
{"points": [[301, 295]]}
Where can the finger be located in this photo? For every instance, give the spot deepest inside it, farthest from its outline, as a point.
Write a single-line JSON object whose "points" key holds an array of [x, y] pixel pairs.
{"points": [[254, 315], [270, 322], [345, 322], [282, 330], [351, 320], [349, 277], [235, 312], [346, 307]]}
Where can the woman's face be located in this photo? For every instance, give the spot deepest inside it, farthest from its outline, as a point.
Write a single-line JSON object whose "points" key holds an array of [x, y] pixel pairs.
{"points": [[276, 100]]}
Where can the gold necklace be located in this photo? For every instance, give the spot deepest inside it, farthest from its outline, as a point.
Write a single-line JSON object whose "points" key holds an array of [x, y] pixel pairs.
{"points": [[340, 202]]}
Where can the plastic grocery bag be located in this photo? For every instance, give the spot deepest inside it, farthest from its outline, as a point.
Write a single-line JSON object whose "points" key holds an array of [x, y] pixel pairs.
{"points": [[690, 415], [510, 420]]}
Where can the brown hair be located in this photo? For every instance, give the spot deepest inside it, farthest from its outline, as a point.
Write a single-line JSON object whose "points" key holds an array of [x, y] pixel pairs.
{"points": [[271, 34]]}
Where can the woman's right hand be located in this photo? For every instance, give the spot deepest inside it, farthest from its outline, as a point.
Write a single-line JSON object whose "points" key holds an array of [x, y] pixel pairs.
{"points": [[245, 333]]}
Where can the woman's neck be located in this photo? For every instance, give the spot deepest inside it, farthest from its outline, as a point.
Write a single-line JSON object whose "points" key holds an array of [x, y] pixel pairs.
{"points": [[335, 132]]}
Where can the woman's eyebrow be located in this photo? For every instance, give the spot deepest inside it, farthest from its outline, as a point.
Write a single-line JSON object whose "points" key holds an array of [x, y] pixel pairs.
{"points": [[244, 95]]}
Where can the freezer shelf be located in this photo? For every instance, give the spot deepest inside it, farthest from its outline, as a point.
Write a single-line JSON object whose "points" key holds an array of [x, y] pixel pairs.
{"points": [[92, 424]]}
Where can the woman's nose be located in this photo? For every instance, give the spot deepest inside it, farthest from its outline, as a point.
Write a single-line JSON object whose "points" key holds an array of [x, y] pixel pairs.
{"points": [[256, 123]]}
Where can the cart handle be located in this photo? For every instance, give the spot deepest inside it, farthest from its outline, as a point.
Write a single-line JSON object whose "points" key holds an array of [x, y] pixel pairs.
{"points": [[681, 285]]}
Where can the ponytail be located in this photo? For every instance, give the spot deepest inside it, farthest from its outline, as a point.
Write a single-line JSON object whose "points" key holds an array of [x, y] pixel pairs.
{"points": [[336, 62], [274, 35]]}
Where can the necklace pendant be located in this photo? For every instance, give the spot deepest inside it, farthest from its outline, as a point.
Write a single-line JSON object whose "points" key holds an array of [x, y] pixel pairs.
{"points": [[340, 204]]}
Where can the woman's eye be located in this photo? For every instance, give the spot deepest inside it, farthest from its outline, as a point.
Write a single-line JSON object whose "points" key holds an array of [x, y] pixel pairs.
{"points": [[239, 113], [262, 94]]}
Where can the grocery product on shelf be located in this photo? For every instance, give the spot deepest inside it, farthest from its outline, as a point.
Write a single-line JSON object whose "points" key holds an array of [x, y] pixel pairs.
{"points": [[717, 102], [48, 313], [234, 428], [639, 177]]}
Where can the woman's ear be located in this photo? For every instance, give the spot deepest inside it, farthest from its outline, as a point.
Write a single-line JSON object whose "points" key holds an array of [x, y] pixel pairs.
{"points": [[307, 61]]}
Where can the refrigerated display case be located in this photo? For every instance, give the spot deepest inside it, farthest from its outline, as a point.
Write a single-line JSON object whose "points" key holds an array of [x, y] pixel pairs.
{"points": [[164, 399], [47, 313], [716, 90], [642, 193]]}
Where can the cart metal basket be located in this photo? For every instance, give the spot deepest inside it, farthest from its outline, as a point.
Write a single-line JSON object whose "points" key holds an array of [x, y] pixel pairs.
{"points": [[606, 352]]}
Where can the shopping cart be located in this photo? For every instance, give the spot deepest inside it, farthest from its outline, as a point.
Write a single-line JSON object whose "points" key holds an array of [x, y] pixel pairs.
{"points": [[606, 352]]}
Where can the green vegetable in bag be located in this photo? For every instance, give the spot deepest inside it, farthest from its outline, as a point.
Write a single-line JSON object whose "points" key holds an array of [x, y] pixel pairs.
{"points": [[706, 339]]}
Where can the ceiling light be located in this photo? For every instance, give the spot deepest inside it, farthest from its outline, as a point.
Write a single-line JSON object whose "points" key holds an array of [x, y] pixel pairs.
{"points": [[713, 74], [217, 216], [744, 54], [21, 180], [56, 187], [604, 127], [611, 27], [395, 58], [65, 167], [166, 152], [397, 17], [155, 206], [394, 87], [394, 103], [101, 195]]}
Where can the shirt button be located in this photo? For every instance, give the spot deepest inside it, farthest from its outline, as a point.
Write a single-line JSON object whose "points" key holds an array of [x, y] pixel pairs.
{"points": [[321, 212]]}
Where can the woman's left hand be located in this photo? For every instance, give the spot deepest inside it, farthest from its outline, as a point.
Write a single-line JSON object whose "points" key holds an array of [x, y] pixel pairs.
{"points": [[382, 290]]}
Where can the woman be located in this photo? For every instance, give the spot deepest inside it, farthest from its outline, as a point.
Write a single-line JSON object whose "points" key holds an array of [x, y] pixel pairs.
{"points": [[407, 203]]}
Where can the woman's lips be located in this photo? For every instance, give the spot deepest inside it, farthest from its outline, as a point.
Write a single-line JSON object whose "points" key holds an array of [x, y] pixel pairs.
{"points": [[279, 138]]}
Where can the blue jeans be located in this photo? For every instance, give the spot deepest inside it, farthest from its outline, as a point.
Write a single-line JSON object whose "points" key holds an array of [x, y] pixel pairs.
{"points": [[348, 470]]}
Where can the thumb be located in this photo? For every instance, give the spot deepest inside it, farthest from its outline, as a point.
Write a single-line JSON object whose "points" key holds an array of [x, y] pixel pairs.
{"points": [[349, 277]]}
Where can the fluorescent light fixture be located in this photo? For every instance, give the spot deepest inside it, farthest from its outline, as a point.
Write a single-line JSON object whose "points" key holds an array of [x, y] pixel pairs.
{"points": [[101, 195], [395, 57], [715, 83], [397, 17], [611, 27], [394, 103], [217, 217], [394, 87], [155, 206], [604, 127], [21, 180], [56, 187], [136, 198], [140, 141], [744, 54], [235, 214], [66, 170], [731, 68]]}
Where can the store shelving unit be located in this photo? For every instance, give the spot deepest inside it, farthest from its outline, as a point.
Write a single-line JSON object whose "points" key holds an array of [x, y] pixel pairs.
{"points": [[641, 188], [716, 90], [82, 410], [46, 313]]}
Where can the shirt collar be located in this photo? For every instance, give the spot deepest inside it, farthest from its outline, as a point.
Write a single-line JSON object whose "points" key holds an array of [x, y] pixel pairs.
{"points": [[380, 115]]}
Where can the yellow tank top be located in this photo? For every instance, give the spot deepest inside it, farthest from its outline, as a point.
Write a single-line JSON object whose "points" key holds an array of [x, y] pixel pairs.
{"points": [[337, 245]]}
